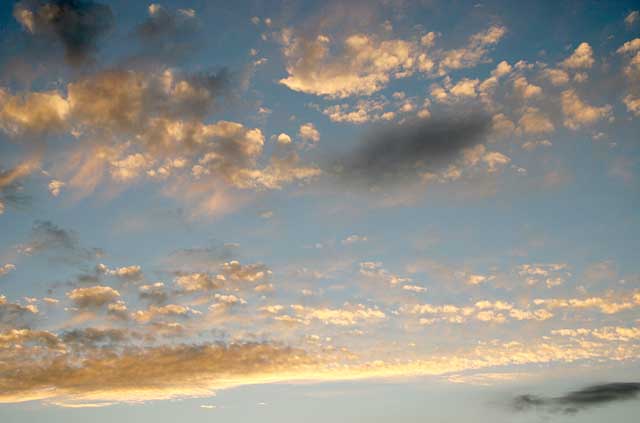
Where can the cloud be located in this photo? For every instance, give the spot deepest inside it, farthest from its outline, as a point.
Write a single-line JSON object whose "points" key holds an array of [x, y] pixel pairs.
{"points": [[632, 18], [363, 111], [128, 273], [308, 132], [169, 310], [93, 297], [77, 24], [534, 121], [364, 65], [6, 268], [10, 188], [32, 114], [14, 315], [349, 315], [581, 399], [391, 152], [578, 113], [60, 243], [136, 125], [199, 282], [475, 52], [102, 375], [581, 58]]}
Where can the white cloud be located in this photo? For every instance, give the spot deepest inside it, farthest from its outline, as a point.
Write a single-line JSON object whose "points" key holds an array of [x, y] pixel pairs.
{"points": [[581, 58], [308, 132], [578, 113]]}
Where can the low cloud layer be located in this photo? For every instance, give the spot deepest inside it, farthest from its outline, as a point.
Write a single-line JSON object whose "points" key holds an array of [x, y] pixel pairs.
{"points": [[581, 399]]}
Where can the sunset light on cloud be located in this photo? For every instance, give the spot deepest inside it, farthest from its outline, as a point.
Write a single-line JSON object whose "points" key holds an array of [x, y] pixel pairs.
{"points": [[292, 211]]}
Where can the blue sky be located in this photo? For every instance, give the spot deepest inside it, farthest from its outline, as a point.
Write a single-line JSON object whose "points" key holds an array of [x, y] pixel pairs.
{"points": [[283, 210]]}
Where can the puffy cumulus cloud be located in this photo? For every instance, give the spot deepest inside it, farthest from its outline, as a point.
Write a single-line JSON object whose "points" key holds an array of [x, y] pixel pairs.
{"points": [[632, 71], [364, 65], [130, 273], [228, 275], [495, 161], [473, 279], [55, 187], [578, 113], [349, 315], [502, 69], [629, 46], [199, 282], [362, 112], [581, 58], [93, 297], [534, 121], [633, 104], [283, 138], [524, 89], [475, 52], [462, 90], [557, 77], [165, 311], [137, 125], [282, 169], [552, 274], [77, 24], [252, 273], [33, 114], [6, 268], [473, 161], [308, 132]]}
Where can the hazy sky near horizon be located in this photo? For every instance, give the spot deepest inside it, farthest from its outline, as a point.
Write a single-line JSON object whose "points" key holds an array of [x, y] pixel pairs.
{"points": [[374, 211]]}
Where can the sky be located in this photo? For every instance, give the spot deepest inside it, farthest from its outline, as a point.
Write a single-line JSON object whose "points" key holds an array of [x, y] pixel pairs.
{"points": [[362, 211]]}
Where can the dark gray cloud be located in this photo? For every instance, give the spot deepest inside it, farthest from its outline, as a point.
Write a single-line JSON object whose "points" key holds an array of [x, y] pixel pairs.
{"points": [[77, 24], [393, 152], [163, 23], [581, 399], [168, 35], [63, 244], [93, 337]]}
